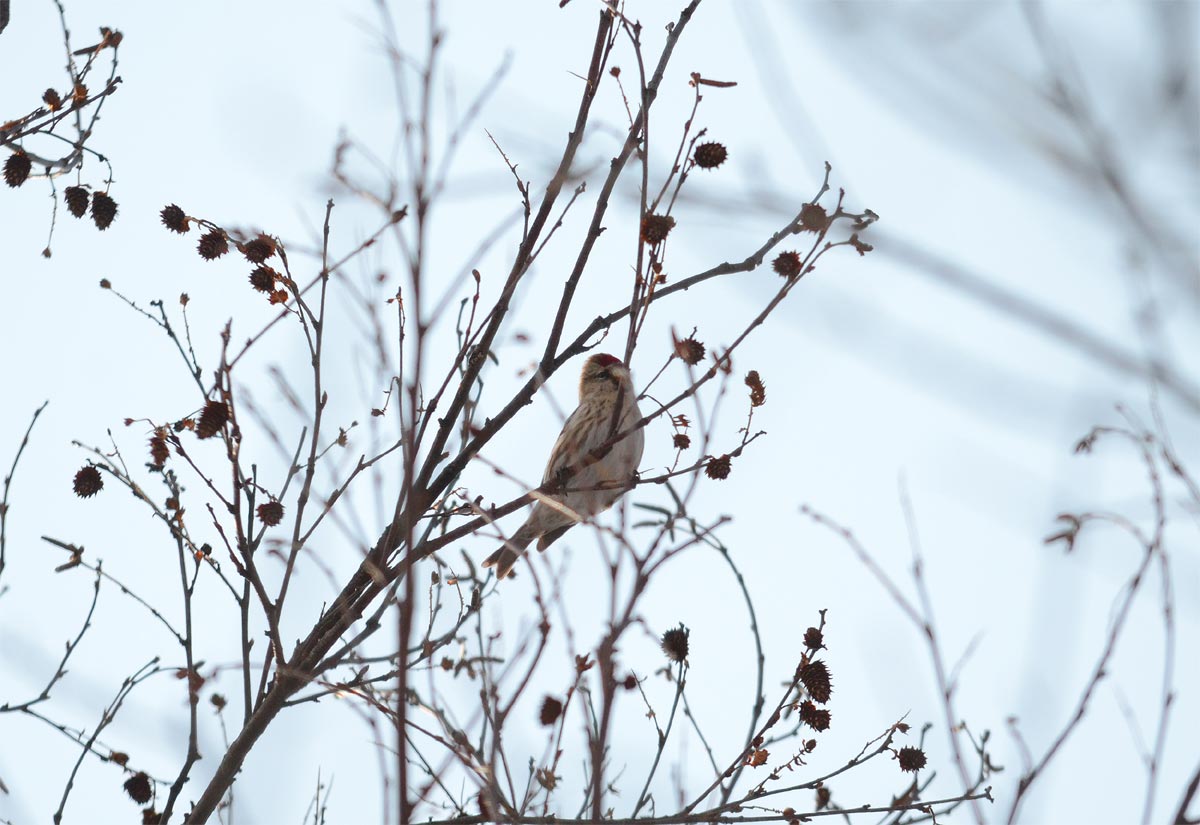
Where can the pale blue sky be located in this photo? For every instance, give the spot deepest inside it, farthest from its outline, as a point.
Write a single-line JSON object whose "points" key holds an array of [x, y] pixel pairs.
{"points": [[933, 116]]}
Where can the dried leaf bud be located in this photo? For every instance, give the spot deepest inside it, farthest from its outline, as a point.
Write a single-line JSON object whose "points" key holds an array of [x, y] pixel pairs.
{"points": [[757, 758], [79, 93], [814, 639], [710, 155], [816, 718], [546, 778], [138, 788], [259, 249], [263, 278], [279, 296], [212, 245], [270, 513], [815, 678], [787, 264], [104, 209], [630, 682], [655, 228], [212, 419], [173, 218], [16, 168], [689, 350], [813, 218], [77, 199], [911, 759], [675, 643], [52, 100], [823, 795], [88, 482], [681, 441], [110, 38], [194, 679], [159, 452], [150, 816], [859, 245], [758, 393], [551, 710], [218, 701], [717, 468]]}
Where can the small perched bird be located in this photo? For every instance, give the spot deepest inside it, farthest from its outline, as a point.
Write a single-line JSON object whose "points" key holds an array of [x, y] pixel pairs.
{"points": [[597, 482]]}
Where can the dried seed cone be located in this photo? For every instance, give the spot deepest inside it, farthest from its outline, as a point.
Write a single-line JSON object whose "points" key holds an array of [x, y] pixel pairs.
{"points": [[758, 392], [814, 639], [212, 419], [787, 264], [270, 513], [816, 718], [815, 678], [159, 452], [88, 482], [655, 228], [690, 351], [138, 788], [814, 218], [212, 245], [16, 168], [263, 278], [77, 199], [104, 210], [175, 219], [551, 710], [675, 643], [259, 249], [710, 155], [911, 759], [718, 468]]}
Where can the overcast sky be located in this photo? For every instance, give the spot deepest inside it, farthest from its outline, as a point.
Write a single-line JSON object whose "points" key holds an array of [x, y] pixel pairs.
{"points": [[883, 373]]}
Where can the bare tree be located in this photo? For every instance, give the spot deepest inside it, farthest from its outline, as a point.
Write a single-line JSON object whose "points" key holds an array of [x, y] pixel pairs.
{"points": [[1028, 87], [413, 632]]}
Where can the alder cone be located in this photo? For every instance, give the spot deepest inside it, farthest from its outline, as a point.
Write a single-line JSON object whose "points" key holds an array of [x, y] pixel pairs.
{"points": [[212, 419], [17, 168], [77, 199]]}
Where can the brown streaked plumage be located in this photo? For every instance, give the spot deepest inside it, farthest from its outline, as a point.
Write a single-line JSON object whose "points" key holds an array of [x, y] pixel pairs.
{"points": [[604, 383]]}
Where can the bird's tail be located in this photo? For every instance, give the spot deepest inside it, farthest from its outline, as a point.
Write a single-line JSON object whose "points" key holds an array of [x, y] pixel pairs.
{"points": [[509, 553]]}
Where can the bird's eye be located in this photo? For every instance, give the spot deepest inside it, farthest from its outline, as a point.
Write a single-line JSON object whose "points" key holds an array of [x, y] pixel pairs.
{"points": [[603, 375]]}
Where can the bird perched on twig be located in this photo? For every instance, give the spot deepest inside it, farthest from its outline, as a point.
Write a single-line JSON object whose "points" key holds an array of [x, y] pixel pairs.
{"points": [[590, 482]]}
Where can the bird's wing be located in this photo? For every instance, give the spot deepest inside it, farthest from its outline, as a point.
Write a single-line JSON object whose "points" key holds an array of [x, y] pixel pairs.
{"points": [[559, 456], [588, 424]]}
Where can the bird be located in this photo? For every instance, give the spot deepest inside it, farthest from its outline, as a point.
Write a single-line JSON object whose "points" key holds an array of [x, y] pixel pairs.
{"points": [[591, 484]]}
